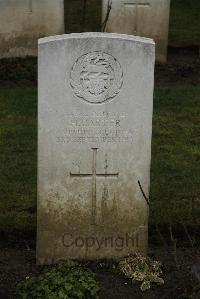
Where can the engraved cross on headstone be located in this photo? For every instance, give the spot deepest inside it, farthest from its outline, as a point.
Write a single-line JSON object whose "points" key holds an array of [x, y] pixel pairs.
{"points": [[94, 175], [136, 4]]}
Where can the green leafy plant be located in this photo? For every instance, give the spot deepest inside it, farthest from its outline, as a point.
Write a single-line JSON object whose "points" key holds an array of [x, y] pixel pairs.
{"points": [[67, 281], [140, 268]]}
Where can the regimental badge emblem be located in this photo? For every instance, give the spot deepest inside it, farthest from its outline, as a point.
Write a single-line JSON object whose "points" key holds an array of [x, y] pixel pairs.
{"points": [[96, 77]]}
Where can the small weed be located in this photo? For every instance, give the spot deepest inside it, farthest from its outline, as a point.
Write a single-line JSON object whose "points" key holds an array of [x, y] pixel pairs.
{"points": [[142, 269]]}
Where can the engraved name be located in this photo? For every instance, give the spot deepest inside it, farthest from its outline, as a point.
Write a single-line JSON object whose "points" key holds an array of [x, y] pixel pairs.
{"points": [[96, 128]]}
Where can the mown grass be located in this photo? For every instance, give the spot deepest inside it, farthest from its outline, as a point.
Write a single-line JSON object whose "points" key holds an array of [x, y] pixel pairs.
{"points": [[74, 16], [175, 175], [184, 23], [18, 145], [184, 20]]}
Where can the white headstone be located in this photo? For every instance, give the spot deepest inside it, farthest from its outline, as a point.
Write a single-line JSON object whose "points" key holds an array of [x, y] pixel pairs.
{"points": [[95, 123], [149, 18], [22, 22]]}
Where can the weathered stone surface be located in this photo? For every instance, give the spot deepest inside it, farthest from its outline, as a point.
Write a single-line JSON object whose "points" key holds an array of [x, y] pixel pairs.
{"points": [[22, 22], [149, 18], [95, 123]]}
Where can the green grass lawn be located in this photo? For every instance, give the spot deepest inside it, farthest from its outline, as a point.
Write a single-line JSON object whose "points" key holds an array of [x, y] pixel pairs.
{"points": [[175, 175], [184, 20], [74, 16], [18, 145], [184, 23]]}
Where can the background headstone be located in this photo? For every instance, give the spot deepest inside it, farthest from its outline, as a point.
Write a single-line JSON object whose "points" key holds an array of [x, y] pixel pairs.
{"points": [[149, 18], [22, 22], [95, 124]]}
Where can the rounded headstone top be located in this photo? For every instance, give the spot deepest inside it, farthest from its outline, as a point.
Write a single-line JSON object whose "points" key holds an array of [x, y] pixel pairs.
{"points": [[98, 35]]}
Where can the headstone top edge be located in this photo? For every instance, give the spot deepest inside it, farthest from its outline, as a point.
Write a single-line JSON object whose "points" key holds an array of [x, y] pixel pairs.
{"points": [[87, 35]]}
